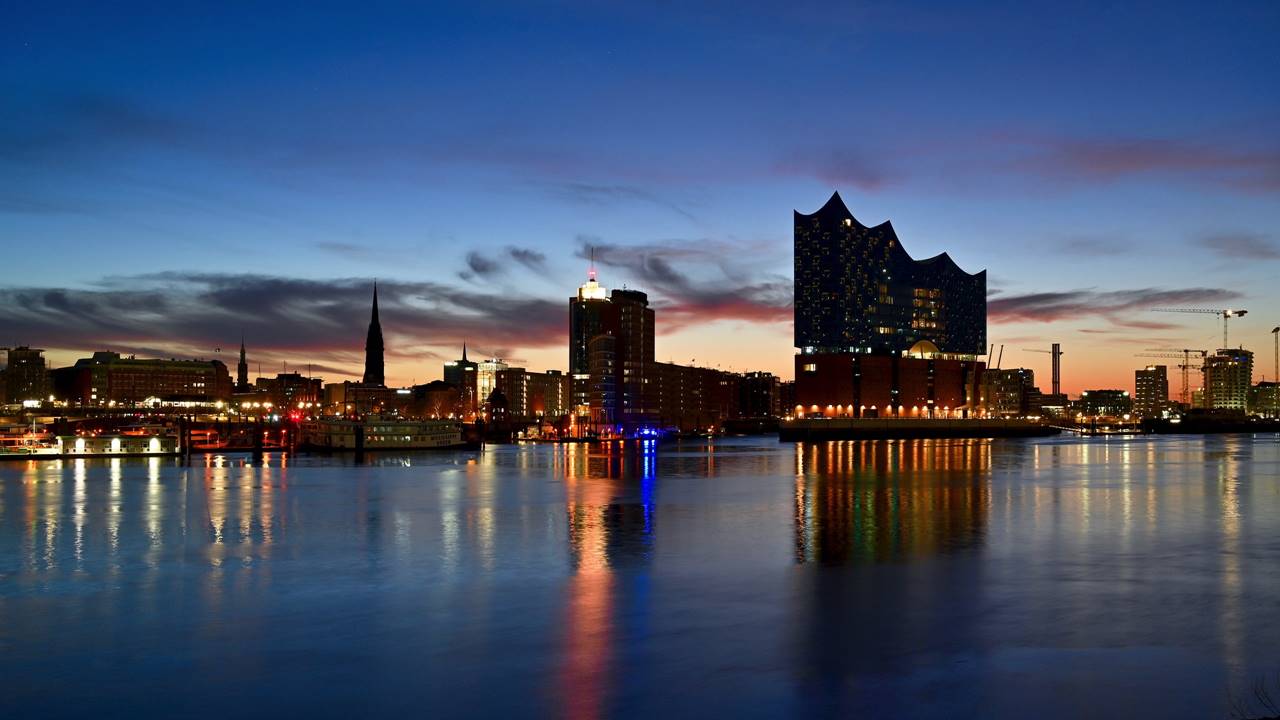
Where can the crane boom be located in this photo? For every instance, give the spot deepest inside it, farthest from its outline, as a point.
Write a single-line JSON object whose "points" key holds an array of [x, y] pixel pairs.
{"points": [[1056, 352], [1185, 366], [1225, 314]]}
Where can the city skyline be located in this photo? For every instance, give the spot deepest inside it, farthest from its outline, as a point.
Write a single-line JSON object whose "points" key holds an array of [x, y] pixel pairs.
{"points": [[224, 192]]}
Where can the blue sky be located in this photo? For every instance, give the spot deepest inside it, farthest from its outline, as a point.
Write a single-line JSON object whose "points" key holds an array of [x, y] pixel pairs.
{"points": [[170, 176]]}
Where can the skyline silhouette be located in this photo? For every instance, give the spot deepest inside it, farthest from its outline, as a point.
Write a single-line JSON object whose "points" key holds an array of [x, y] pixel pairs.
{"points": [[194, 177]]}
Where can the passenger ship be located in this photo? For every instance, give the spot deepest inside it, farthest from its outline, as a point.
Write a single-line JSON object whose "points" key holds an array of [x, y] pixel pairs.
{"points": [[381, 434]]}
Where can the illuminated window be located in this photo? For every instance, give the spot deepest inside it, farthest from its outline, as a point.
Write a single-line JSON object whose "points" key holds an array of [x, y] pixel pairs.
{"points": [[811, 367]]}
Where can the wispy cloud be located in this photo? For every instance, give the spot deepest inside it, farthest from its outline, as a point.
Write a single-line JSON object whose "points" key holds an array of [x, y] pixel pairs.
{"points": [[1241, 245], [531, 259], [608, 194], [1092, 246], [1221, 162], [1118, 306], [838, 167], [487, 266]]}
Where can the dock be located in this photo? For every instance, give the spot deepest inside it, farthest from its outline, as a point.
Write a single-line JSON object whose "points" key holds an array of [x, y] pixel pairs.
{"points": [[906, 428]]}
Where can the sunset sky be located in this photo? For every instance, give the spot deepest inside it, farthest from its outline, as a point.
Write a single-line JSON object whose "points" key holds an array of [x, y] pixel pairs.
{"points": [[169, 180]]}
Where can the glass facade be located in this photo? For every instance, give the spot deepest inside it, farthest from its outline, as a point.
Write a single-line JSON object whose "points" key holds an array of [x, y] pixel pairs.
{"points": [[857, 290]]}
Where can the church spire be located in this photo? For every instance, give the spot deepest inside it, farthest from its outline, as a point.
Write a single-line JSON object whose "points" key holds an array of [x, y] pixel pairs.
{"points": [[464, 351], [242, 369], [374, 369]]}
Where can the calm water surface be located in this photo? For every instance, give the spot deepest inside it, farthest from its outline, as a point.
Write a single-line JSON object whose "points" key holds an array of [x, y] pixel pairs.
{"points": [[743, 578]]}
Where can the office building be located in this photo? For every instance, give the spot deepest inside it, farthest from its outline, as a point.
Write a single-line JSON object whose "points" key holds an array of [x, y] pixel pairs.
{"points": [[1009, 393], [357, 399], [25, 377], [107, 378], [690, 398], [631, 321], [1150, 391], [1103, 403], [462, 375], [602, 399], [1228, 375], [436, 400], [1264, 399], [291, 391], [758, 395], [487, 377], [533, 395]]}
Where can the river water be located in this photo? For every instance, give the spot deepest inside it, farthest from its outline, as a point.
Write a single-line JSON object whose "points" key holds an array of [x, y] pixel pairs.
{"points": [[1050, 578]]}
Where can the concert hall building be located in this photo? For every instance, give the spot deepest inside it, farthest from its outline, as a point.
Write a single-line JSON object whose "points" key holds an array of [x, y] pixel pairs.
{"points": [[879, 333]]}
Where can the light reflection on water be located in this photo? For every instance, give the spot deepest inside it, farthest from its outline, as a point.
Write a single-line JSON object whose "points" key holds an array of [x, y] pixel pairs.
{"points": [[741, 577]]}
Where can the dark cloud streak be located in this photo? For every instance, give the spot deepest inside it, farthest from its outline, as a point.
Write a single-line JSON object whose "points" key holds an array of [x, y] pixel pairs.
{"points": [[684, 301], [1243, 245], [1120, 306], [323, 320]]}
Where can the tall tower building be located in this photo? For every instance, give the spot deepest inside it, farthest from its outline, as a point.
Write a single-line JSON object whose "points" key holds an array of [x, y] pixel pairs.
{"points": [[1228, 374], [586, 320], [1150, 390], [242, 370], [374, 369], [630, 320]]}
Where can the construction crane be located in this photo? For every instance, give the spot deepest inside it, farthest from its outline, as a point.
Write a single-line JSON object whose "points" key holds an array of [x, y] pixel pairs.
{"points": [[1185, 366], [1275, 333], [1056, 352], [1224, 314]]}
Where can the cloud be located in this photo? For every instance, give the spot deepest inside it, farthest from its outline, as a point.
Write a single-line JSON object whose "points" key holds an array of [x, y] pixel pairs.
{"points": [[479, 266], [347, 250], [1109, 159], [598, 194], [1093, 246], [531, 259], [1118, 306], [839, 167], [321, 321], [1245, 245], [76, 124], [683, 300]]}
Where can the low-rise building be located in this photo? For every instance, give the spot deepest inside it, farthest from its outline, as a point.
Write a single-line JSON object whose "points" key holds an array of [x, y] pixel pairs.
{"points": [[1264, 399], [534, 395], [1008, 393], [759, 395], [1103, 403], [107, 378]]}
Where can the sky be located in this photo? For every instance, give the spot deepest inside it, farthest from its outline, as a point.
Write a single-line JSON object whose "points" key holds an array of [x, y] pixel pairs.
{"points": [[176, 175]]}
